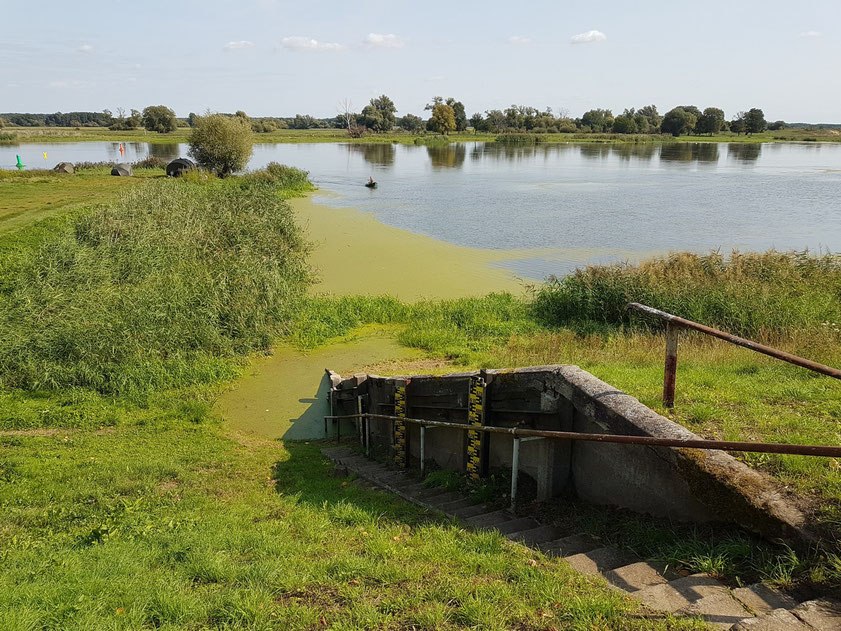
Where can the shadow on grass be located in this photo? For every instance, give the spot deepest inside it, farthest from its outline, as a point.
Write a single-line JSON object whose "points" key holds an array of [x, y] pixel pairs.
{"points": [[309, 476]]}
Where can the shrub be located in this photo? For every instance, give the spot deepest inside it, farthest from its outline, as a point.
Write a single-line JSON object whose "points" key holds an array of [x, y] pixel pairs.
{"points": [[150, 162], [162, 288], [290, 180], [746, 294], [8, 139], [222, 143]]}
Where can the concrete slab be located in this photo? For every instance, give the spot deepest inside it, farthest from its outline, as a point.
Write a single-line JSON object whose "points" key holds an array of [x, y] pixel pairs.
{"points": [[462, 502], [761, 598], [720, 609], [777, 620], [489, 519], [472, 511], [822, 614], [565, 546], [521, 523], [680, 593], [600, 560], [637, 576], [446, 498], [534, 536]]}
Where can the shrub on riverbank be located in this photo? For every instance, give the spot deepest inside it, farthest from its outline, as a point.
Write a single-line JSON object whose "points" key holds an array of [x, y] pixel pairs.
{"points": [[751, 294], [159, 289]]}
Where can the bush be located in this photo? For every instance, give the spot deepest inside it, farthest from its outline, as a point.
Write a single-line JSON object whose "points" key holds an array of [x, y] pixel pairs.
{"points": [[8, 139], [747, 294], [150, 162], [161, 289], [222, 143], [519, 139], [291, 180]]}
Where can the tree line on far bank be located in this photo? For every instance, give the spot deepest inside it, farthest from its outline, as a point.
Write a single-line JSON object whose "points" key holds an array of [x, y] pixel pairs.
{"points": [[446, 115]]}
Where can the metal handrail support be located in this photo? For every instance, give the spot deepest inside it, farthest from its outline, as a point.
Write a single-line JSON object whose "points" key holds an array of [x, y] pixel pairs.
{"points": [[515, 465], [675, 323]]}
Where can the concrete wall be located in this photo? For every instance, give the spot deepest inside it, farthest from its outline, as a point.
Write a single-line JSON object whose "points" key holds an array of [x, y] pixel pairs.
{"points": [[680, 484]]}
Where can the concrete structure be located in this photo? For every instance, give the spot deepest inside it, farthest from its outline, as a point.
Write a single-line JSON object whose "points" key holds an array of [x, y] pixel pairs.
{"points": [[677, 483]]}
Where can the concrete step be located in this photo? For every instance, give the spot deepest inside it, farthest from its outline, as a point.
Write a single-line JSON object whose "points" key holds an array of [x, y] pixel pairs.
{"points": [[822, 615], [489, 520], [681, 593], [566, 546], [427, 493], [600, 560], [472, 511], [720, 610], [520, 523], [775, 620], [636, 576], [761, 598], [462, 502], [446, 498], [534, 536]]}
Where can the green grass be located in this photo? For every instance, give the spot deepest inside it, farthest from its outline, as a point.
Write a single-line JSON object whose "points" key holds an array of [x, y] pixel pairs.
{"points": [[177, 526]]}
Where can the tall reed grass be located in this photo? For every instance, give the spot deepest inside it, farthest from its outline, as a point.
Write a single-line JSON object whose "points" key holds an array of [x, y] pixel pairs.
{"points": [[750, 294]]}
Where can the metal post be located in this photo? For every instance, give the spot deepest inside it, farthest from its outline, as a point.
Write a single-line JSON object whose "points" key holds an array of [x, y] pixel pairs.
{"points": [[367, 420], [422, 449], [515, 469], [670, 373], [360, 420]]}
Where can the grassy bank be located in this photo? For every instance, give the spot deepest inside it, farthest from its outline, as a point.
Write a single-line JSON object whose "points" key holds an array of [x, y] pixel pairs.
{"points": [[68, 134]]}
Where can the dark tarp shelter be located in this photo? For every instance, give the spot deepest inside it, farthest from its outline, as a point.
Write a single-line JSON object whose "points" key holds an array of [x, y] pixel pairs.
{"points": [[122, 169], [179, 167], [64, 167]]}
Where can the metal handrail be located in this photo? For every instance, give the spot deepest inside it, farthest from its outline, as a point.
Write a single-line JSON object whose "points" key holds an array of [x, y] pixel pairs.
{"points": [[675, 323], [690, 443]]}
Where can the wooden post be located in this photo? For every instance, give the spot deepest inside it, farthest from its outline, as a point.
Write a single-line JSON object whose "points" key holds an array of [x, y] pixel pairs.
{"points": [[670, 374]]}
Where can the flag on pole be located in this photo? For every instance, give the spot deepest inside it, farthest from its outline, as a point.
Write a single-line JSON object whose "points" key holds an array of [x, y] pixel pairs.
{"points": [[45, 155]]}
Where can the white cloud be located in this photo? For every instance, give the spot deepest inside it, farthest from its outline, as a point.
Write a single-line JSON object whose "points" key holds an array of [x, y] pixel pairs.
{"points": [[85, 48], [516, 40], [378, 40], [588, 37], [306, 43], [810, 34], [238, 45]]}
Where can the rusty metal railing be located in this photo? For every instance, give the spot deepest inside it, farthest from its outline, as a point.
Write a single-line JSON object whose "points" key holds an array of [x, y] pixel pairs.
{"points": [[519, 434], [675, 323]]}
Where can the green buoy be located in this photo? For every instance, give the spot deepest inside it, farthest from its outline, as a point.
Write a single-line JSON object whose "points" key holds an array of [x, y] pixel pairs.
{"points": [[20, 164]]}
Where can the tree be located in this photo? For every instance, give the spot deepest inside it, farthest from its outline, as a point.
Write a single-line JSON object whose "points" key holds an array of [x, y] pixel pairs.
{"points": [[710, 122], [379, 114], [411, 123], [443, 119], [776, 125], [755, 121], [221, 143], [737, 125], [458, 113], [478, 123], [494, 120], [598, 120], [191, 119], [650, 113], [159, 118], [625, 123], [677, 122]]}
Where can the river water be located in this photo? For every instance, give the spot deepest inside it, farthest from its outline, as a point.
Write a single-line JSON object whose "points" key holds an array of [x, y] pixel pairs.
{"points": [[604, 202]]}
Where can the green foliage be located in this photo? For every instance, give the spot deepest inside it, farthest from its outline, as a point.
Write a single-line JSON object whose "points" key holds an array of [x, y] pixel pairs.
{"points": [[8, 139], [710, 122], [678, 121], [411, 123], [150, 162], [597, 120], [378, 115], [292, 182], [755, 121], [159, 118], [746, 294], [159, 289], [221, 143], [442, 120]]}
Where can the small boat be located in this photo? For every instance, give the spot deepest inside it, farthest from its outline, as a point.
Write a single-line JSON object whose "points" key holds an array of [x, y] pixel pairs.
{"points": [[371, 184]]}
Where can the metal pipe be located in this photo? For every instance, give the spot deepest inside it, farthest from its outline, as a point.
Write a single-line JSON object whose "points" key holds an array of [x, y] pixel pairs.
{"points": [[670, 372], [738, 341], [693, 443], [422, 448], [515, 471]]}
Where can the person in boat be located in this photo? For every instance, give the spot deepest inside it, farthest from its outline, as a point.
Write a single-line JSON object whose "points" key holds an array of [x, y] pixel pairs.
{"points": [[371, 181]]}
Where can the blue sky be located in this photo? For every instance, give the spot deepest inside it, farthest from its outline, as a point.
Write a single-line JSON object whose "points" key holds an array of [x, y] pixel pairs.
{"points": [[273, 57]]}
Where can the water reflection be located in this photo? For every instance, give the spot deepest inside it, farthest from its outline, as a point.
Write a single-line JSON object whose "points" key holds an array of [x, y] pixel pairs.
{"points": [[447, 156], [380, 154], [689, 152], [595, 151], [744, 152], [517, 152], [164, 152], [644, 151]]}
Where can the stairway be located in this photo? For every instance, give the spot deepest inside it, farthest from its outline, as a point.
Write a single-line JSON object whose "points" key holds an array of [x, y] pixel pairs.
{"points": [[757, 607]]}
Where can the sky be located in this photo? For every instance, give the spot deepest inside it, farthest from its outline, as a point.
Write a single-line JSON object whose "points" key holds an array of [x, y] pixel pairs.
{"points": [[280, 58]]}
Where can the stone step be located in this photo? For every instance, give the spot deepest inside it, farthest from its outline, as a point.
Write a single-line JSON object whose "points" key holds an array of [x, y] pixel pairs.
{"points": [[438, 501], [472, 511], [520, 523], [427, 493], [680, 593], [566, 546], [775, 620], [822, 615], [720, 610], [534, 536], [761, 598], [489, 520], [463, 502], [600, 560], [636, 576]]}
